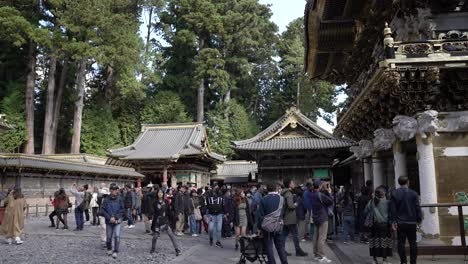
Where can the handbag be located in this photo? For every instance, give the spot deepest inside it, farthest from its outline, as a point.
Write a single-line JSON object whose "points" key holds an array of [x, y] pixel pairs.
{"points": [[197, 213], [370, 217]]}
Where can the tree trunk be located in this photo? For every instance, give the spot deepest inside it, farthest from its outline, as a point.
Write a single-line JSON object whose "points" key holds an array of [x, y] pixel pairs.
{"points": [[48, 127], [148, 34], [201, 91], [58, 104], [79, 104], [110, 83], [29, 96]]}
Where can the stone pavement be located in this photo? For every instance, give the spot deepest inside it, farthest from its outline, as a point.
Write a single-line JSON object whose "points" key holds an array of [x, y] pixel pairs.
{"points": [[48, 245]]}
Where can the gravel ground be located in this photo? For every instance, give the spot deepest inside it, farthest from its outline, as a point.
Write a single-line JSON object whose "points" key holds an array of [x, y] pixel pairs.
{"points": [[46, 245]]}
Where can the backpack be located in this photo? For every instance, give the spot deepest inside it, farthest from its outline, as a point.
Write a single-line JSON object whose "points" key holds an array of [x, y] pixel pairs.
{"points": [[273, 222]]}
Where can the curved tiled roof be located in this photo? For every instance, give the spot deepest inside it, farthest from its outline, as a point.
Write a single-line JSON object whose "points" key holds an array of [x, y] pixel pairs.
{"points": [[54, 164], [167, 142], [236, 168], [297, 144]]}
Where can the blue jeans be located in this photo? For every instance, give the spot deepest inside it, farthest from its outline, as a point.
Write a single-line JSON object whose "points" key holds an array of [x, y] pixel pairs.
{"points": [[129, 216], [348, 227], [79, 218], [113, 231], [215, 222], [193, 224], [274, 238]]}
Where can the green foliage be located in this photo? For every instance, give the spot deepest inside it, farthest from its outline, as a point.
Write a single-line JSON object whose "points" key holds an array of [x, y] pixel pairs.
{"points": [[164, 107], [100, 131], [228, 122], [12, 139]]}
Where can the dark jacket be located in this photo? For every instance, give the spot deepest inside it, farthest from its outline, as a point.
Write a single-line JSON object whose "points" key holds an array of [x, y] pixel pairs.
{"points": [[161, 214], [87, 199], [320, 202], [130, 199], [228, 208], [181, 203], [404, 207], [306, 199], [214, 204], [301, 210], [362, 202], [194, 202], [290, 214], [112, 206], [147, 203], [268, 204]]}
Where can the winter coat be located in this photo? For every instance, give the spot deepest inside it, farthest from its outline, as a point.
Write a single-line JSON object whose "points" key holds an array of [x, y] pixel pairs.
{"points": [[161, 214], [320, 202], [301, 211], [405, 206], [290, 214], [181, 203], [13, 218], [130, 199], [112, 206], [306, 199], [193, 203], [62, 201], [214, 204], [87, 199], [228, 208], [147, 203], [268, 204], [382, 210]]}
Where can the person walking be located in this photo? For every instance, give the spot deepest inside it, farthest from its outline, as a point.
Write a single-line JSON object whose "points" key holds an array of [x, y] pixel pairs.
{"points": [[79, 206], [13, 218], [87, 200], [269, 218], [320, 200], [94, 206], [241, 217], [257, 195], [214, 214], [380, 242], [113, 210], [301, 214], [406, 217], [347, 206], [103, 194], [228, 212], [129, 203], [63, 203], [362, 202], [308, 205], [180, 206], [147, 207], [290, 218], [194, 213], [139, 198], [161, 222], [54, 212]]}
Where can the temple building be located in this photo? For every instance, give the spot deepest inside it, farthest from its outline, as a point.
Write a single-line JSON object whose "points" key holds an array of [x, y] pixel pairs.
{"points": [[236, 172], [170, 154], [40, 176], [295, 147], [405, 67]]}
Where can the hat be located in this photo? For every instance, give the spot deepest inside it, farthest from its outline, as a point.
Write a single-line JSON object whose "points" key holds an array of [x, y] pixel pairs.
{"points": [[104, 191], [317, 182], [114, 186]]}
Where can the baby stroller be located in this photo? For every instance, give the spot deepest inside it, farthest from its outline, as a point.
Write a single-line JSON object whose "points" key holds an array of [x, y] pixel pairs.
{"points": [[252, 249]]}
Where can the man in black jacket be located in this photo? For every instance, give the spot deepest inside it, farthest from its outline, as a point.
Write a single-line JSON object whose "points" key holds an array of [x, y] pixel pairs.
{"points": [[405, 218], [147, 207]]}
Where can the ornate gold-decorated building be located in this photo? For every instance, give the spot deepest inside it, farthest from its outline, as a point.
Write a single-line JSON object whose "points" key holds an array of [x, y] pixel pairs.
{"points": [[407, 92]]}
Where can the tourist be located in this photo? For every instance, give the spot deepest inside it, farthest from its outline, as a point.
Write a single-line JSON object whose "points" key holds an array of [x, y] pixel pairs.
{"points": [[87, 200], [129, 204], [201, 202], [362, 202], [112, 210], [321, 200], [194, 213], [147, 207], [347, 210], [63, 203], [94, 206], [269, 219], [214, 214], [79, 206], [139, 197], [301, 214], [290, 218], [181, 201], [13, 218], [160, 223], [54, 211], [249, 199], [406, 217], [380, 241], [103, 194], [257, 193], [228, 212], [241, 217], [308, 205]]}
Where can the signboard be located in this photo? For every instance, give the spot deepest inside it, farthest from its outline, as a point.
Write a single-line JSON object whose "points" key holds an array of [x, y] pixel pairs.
{"points": [[320, 174]]}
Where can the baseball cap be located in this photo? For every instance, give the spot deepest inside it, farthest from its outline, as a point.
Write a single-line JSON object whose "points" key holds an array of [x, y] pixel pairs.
{"points": [[114, 186]]}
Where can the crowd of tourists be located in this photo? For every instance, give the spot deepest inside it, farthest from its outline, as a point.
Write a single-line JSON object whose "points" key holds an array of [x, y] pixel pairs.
{"points": [[273, 211]]}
